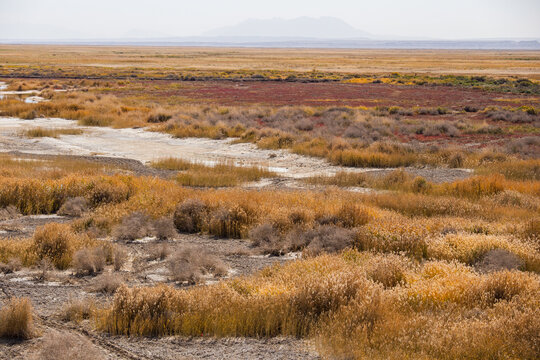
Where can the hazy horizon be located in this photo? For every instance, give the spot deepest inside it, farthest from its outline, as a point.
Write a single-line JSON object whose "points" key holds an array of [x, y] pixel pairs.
{"points": [[419, 19]]}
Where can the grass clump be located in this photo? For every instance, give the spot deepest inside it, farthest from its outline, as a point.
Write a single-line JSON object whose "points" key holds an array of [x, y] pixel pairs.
{"points": [[52, 133], [57, 243], [16, 319], [223, 174]]}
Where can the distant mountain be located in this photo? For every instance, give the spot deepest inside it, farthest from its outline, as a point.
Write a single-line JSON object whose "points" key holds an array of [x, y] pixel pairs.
{"points": [[302, 27]]}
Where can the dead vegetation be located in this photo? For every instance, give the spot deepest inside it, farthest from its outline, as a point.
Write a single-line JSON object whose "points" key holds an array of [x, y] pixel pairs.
{"points": [[52, 133], [419, 270], [65, 346], [17, 319], [191, 265], [73, 207]]}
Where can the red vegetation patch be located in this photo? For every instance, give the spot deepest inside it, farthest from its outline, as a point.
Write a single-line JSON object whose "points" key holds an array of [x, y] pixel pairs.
{"points": [[339, 94]]}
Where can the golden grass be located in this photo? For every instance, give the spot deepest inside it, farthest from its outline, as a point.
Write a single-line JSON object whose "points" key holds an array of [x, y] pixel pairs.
{"points": [[53, 133], [54, 242], [406, 285], [331, 298], [16, 319], [514, 170], [222, 174], [122, 60]]}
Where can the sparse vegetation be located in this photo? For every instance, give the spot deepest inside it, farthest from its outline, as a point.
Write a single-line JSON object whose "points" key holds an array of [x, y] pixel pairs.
{"points": [[433, 253], [65, 346], [52, 133]]}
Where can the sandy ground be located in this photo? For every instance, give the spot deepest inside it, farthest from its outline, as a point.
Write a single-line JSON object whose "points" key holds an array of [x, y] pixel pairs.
{"points": [[146, 146]]}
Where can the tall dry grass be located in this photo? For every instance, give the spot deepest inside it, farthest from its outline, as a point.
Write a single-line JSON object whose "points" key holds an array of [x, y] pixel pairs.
{"points": [[53, 133], [17, 319], [343, 303], [222, 174]]}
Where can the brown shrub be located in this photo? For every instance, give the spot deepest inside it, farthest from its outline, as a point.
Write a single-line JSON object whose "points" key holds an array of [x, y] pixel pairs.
{"points": [[66, 346], [413, 245], [163, 228], [502, 285], [267, 237], [9, 212], [456, 161], [105, 192], [191, 264], [160, 252], [89, 261], [120, 256], [352, 215], [45, 266], [78, 310], [158, 118], [73, 207], [386, 270], [499, 259], [190, 216], [532, 230], [16, 319], [12, 265], [107, 283], [57, 242], [315, 298], [517, 199], [133, 226], [326, 239]]}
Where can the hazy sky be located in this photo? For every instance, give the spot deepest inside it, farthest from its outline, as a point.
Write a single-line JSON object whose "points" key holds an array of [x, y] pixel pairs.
{"points": [[413, 18]]}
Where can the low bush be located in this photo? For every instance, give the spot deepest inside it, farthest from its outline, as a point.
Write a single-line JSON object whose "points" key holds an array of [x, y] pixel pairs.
{"points": [[73, 207], [78, 310], [89, 261], [107, 283], [9, 212], [12, 265], [267, 238], [190, 216], [66, 346], [159, 252], [133, 226], [164, 228], [120, 257], [191, 264], [326, 239]]}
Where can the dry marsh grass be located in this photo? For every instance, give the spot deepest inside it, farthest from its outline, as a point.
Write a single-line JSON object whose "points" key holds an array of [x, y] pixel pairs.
{"points": [[53, 133], [395, 269], [223, 174], [17, 319], [400, 310], [346, 136], [270, 62]]}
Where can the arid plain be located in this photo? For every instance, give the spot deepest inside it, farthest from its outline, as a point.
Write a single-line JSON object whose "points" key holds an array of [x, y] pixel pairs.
{"points": [[169, 202]]}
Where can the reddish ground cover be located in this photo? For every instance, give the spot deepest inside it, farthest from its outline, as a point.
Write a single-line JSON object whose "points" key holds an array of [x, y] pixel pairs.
{"points": [[341, 94]]}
